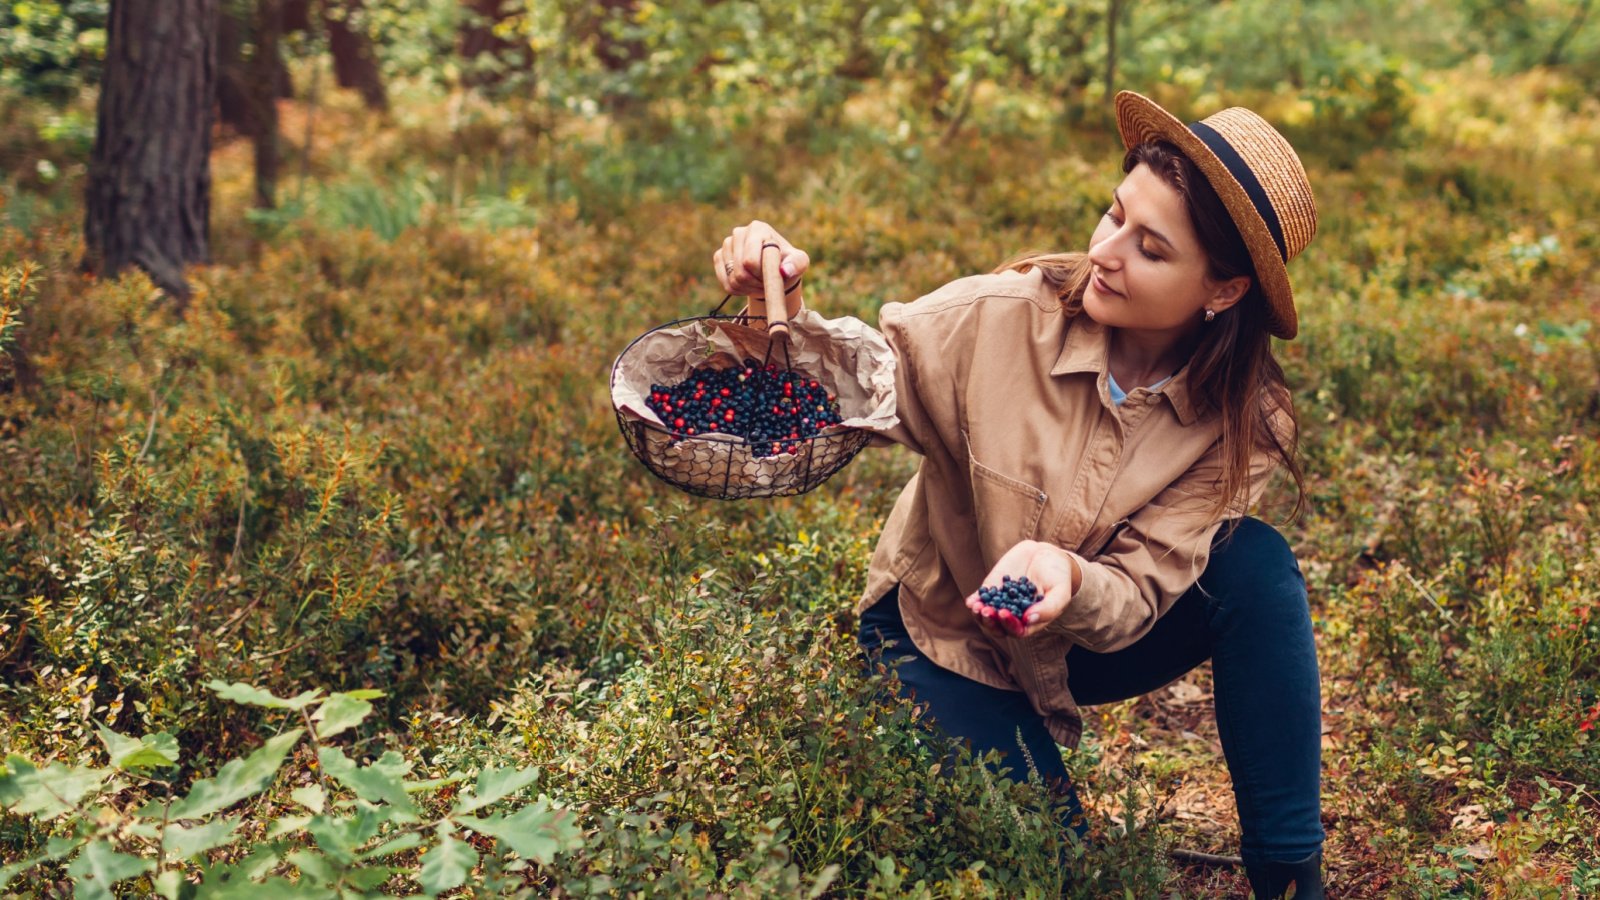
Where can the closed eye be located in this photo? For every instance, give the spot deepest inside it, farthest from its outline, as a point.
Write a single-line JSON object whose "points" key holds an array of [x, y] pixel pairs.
{"points": [[1143, 250]]}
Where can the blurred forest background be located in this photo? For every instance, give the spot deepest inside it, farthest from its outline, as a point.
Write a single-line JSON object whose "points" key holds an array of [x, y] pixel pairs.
{"points": [[324, 570]]}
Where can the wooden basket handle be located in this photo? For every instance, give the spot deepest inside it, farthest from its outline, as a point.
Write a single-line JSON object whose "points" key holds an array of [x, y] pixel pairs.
{"points": [[777, 310]]}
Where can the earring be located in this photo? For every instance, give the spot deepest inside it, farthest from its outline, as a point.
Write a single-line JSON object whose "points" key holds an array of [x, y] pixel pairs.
{"points": [[1210, 314]]}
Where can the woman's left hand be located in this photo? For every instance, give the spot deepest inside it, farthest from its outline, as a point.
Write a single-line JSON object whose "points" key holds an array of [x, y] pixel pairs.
{"points": [[1050, 569]]}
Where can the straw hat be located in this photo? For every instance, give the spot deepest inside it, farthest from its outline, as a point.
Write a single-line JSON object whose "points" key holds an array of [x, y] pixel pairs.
{"points": [[1257, 175]]}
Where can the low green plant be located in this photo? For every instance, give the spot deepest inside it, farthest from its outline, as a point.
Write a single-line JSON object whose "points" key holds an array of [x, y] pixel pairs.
{"points": [[347, 829]]}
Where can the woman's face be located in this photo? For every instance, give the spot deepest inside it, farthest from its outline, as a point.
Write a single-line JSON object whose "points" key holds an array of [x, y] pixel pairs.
{"points": [[1150, 272]]}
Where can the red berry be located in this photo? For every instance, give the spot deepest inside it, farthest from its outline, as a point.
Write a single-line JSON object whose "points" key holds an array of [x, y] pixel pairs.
{"points": [[677, 423]]}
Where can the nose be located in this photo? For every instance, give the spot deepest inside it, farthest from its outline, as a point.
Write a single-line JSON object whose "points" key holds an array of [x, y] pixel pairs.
{"points": [[1103, 253]]}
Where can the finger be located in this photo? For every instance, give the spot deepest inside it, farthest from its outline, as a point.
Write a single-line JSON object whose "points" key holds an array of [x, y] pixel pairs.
{"points": [[733, 247], [1047, 610], [721, 271], [791, 262], [795, 263], [988, 623], [731, 266], [1009, 622], [750, 252]]}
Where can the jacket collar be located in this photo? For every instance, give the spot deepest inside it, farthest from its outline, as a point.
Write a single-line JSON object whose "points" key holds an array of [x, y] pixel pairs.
{"points": [[1086, 348]]}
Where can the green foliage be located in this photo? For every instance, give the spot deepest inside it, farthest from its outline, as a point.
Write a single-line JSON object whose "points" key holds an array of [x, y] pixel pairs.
{"points": [[52, 49], [355, 832]]}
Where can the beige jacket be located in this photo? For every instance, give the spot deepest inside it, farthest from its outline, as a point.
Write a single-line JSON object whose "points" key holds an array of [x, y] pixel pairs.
{"points": [[1005, 399]]}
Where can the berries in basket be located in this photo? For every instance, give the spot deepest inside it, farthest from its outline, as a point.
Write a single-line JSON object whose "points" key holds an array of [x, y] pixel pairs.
{"points": [[719, 408]]}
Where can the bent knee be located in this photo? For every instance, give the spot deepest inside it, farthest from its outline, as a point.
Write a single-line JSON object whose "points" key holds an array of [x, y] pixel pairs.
{"points": [[1253, 566]]}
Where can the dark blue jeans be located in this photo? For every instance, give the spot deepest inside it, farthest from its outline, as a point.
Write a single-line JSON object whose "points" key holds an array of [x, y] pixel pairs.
{"points": [[1248, 615]]}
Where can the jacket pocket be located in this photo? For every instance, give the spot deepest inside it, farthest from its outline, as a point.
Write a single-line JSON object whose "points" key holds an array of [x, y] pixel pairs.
{"points": [[1008, 510]]}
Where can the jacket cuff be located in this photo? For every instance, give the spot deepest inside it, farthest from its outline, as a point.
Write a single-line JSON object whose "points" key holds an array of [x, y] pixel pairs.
{"points": [[1086, 611]]}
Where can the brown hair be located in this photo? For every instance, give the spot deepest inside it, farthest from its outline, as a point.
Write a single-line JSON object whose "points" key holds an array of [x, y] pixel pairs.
{"points": [[1232, 371]]}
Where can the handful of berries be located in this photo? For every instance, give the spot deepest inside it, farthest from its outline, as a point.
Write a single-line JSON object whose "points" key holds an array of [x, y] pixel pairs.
{"points": [[771, 408], [1014, 595]]}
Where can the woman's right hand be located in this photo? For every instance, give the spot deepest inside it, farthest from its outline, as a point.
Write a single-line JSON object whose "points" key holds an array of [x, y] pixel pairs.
{"points": [[738, 260]]}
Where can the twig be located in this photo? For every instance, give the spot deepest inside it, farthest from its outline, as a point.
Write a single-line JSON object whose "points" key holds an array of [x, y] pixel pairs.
{"points": [[1448, 615], [150, 432], [238, 528], [294, 646], [1204, 859], [1553, 58], [226, 626]]}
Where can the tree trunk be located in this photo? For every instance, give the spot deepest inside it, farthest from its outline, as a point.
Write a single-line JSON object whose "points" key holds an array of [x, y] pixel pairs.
{"points": [[266, 87], [478, 38], [354, 64], [1112, 14], [148, 198]]}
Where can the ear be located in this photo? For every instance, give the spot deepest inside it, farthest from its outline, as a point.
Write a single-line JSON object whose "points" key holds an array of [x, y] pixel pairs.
{"points": [[1227, 293]]}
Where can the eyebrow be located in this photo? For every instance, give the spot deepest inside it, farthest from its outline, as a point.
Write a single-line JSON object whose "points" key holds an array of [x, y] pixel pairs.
{"points": [[1148, 230]]}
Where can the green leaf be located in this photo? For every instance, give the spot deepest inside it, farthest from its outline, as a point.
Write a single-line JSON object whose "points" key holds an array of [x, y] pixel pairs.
{"points": [[493, 785], [189, 843], [447, 865], [238, 779], [341, 839], [311, 797], [428, 784], [370, 877], [171, 885], [48, 792], [153, 751], [535, 832], [403, 842], [381, 782], [339, 713], [240, 692], [287, 825], [229, 879], [363, 694], [314, 867], [100, 866]]}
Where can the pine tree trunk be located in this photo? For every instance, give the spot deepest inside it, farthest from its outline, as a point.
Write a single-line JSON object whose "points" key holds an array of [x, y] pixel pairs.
{"points": [[478, 38], [267, 87], [355, 65], [148, 198]]}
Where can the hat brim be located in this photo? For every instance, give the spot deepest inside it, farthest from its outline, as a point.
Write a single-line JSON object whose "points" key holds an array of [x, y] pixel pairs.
{"points": [[1140, 119]]}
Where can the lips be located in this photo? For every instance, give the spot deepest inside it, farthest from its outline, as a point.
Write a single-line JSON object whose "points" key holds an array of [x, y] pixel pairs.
{"points": [[1101, 286]]}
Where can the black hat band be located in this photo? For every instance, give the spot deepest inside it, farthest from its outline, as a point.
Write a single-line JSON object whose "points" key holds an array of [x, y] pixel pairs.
{"points": [[1247, 179]]}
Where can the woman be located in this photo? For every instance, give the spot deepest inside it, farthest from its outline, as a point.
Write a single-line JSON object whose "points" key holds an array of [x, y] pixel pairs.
{"points": [[1100, 422]]}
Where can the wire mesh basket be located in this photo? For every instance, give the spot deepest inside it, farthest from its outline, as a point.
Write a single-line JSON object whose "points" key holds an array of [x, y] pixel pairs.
{"points": [[724, 466]]}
